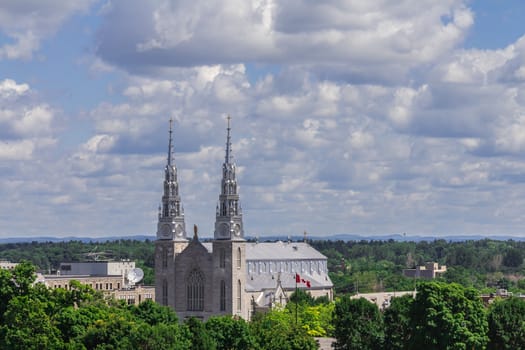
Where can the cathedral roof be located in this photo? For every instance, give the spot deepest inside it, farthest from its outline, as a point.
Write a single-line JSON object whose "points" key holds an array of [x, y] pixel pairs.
{"points": [[282, 251], [277, 251], [258, 282]]}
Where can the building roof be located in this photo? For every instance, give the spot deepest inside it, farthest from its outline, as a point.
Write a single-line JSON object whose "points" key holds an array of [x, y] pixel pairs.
{"points": [[258, 282], [282, 251], [278, 251]]}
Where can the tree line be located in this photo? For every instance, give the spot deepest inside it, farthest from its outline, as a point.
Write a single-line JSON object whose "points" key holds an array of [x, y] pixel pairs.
{"points": [[35, 317], [354, 266], [372, 266], [441, 316]]}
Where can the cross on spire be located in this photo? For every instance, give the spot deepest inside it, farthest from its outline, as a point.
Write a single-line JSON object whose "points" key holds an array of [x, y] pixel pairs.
{"points": [[170, 146]]}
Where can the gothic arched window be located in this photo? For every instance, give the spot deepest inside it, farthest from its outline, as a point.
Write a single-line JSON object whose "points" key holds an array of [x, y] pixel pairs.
{"points": [[222, 258], [223, 296], [239, 258], [164, 258], [164, 292], [239, 293], [195, 291]]}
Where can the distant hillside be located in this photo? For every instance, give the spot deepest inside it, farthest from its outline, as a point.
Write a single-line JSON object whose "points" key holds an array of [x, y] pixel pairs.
{"points": [[336, 237], [73, 238]]}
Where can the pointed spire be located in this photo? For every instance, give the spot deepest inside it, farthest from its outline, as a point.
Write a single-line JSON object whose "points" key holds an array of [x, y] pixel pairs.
{"points": [[171, 215], [227, 158], [170, 145], [228, 222]]}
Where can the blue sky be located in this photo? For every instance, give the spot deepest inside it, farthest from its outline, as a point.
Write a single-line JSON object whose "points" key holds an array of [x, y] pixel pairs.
{"points": [[348, 116]]}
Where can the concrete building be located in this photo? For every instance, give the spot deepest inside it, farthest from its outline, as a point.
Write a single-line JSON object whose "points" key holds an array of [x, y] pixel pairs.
{"points": [[7, 265], [227, 276], [108, 277], [430, 270]]}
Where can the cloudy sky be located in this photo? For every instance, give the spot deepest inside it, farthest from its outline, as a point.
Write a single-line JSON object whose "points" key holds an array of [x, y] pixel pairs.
{"points": [[365, 117]]}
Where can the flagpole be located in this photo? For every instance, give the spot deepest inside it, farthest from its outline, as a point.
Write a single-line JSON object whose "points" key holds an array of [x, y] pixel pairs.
{"points": [[296, 297]]}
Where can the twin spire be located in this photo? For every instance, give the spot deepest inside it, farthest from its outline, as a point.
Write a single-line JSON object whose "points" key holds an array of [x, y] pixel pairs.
{"points": [[228, 222]]}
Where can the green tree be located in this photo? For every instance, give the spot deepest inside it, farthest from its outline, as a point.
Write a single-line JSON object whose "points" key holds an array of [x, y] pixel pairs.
{"points": [[358, 324], [506, 320], [27, 326], [200, 337], [448, 316], [230, 333], [277, 330], [513, 257], [397, 323], [162, 337], [153, 313]]}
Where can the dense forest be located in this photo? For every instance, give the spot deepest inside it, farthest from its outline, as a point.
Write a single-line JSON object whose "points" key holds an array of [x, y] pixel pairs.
{"points": [[355, 266], [368, 266]]}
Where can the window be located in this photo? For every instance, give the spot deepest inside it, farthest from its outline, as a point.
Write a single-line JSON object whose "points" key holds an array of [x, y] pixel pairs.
{"points": [[222, 258], [239, 295], [223, 296], [195, 291], [164, 258], [164, 292], [239, 257]]}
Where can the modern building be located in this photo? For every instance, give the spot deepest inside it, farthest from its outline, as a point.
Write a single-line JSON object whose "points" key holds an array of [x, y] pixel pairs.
{"points": [[112, 278], [229, 275], [430, 270]]}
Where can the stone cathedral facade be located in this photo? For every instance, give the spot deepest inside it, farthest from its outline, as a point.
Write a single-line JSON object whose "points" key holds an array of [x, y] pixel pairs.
{"points": [[228, 275]]}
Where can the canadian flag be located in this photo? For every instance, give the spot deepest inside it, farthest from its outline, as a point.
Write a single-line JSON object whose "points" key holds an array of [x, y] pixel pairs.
{"points": [[298, 279]]}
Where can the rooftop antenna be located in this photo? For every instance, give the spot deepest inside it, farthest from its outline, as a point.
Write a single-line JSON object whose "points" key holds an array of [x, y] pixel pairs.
{"points": [[135, 276]]}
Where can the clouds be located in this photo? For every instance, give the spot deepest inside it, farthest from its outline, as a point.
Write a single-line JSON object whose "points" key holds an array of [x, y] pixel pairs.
{"points": [[25, 123], [26, 23], [381, 40], [348, 116]]}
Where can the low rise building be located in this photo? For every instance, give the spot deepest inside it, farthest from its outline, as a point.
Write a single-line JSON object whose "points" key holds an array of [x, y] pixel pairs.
{"points": [[117, 279], [430, 270]]}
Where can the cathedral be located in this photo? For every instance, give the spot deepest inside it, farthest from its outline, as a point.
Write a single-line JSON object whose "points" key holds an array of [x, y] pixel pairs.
{"points": [[227, 275]]}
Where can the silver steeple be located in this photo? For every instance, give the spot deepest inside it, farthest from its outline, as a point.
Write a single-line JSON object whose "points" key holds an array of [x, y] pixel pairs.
{"points": [[228, 220], [171, 215]]}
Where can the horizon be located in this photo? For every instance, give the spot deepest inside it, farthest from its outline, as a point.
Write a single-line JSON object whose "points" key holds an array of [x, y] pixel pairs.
{"points": [[346, 116]]}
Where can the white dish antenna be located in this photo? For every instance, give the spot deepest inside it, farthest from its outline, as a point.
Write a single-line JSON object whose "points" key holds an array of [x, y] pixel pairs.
{"points": [[135, 275]]}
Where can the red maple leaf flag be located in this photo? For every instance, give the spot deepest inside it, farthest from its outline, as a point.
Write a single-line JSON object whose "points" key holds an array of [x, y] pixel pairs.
{"points": [[297, 278]]}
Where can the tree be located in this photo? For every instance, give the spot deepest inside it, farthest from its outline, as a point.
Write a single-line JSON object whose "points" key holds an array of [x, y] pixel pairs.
{"points": [[506, 321], [200, 337], [27, 326], [397, 323], [153, 313], [358, 324], [447, 316], [230, 333], [513, 258], [277, 330]]}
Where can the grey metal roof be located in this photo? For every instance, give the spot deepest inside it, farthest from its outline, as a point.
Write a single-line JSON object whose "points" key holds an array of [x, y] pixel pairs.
{"points": [[277, 251], [282, 251], [208, 246], [256, 282]]}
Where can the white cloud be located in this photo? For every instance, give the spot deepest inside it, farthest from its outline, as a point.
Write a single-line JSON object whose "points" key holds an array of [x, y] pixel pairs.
{"points": [[27, 23], [339, 38]]}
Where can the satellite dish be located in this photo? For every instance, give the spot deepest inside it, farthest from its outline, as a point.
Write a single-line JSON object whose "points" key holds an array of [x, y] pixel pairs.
{"points": [[135, 275]]}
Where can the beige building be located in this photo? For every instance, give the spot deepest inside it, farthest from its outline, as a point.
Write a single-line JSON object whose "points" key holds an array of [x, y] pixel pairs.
{"points": [[430, 270], [7, 265], [112, 278], [227, 276]]}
